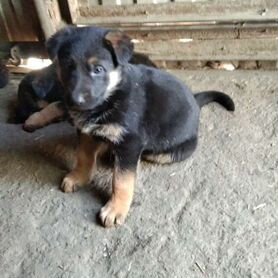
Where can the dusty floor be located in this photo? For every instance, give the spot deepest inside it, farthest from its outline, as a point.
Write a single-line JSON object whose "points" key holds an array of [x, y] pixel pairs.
{"points": [[214, 215]]}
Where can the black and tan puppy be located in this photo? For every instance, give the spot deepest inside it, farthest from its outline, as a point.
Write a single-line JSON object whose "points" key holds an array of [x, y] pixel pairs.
{"points": [[41, 97], [134, 110]]}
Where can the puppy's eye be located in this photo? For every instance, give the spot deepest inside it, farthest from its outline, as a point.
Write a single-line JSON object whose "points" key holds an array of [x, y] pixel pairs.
{"points": [[98, 69]]}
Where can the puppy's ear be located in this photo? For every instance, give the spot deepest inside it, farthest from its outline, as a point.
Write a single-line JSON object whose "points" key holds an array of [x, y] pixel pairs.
{"points": [[54, 43], [121, 44]]}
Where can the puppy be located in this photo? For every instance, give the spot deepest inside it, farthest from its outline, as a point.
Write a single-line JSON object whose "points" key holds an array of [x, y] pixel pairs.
{"points": [[134, 110], [40, 96], [40, 99]]}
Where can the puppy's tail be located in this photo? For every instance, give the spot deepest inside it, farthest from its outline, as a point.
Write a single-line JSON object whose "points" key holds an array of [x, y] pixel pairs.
{"points": [[204, 98]]}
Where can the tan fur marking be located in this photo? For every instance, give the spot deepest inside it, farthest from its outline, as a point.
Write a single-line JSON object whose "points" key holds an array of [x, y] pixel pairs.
{"points": [[93, 60], [87, 153], [112, 132], [116, 209], [158, 158], [50, 113], [42, 103], [114, 37]]}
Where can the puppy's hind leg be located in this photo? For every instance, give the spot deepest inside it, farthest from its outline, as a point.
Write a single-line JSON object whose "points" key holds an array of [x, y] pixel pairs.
{"points": [[87, 153], [176, 154], [49, 114]]}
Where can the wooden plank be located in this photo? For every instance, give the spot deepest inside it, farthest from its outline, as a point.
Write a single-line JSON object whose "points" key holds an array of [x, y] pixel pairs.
{"points": [[14, 69], [235, 33], [74, 10], [49, 16], [177, 13], [162, 1], [144, 1], [83, 2], [94, 2], [127, 2], [239, 49], [110, 2], [113, 3], [183, 1], [18, 21], [65, 11]]}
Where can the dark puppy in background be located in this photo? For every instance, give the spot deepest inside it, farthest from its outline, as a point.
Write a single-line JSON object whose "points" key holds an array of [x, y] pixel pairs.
{"points": [[41, 96], [4, 75], [134, 111]]}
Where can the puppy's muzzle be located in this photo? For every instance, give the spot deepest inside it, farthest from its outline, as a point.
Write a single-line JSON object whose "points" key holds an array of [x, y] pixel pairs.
{"points": [[75, 100]]}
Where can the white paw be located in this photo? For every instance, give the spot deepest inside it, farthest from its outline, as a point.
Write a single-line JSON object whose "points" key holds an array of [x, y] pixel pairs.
{"points": [[112, 214], [68, 184]]}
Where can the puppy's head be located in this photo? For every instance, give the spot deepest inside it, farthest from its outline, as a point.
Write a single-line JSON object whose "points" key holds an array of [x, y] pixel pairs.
{"points": [[89, 63]]}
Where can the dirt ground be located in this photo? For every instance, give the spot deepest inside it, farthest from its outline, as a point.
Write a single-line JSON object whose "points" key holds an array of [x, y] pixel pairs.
{"points": [[214, 215]]}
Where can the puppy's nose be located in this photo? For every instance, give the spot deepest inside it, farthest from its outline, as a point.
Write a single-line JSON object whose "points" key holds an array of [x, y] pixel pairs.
{"points": [[80, 100], [76, 100]]}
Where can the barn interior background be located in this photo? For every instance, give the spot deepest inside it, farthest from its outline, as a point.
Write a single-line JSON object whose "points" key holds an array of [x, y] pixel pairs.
{"points": [[182, 34], [212, 216]]}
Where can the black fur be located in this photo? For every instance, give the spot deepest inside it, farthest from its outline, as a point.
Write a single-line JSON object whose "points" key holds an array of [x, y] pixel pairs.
{"points": [[158, 114], [44, 85], [204, 98], [4, 75], [37, 86], [141, 59]]}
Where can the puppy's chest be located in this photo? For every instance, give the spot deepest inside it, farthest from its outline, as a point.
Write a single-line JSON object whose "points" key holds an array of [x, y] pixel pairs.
{"points": [[112, 132]]}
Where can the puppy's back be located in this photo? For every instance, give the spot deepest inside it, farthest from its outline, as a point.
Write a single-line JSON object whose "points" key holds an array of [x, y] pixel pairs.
{"points": [[170, 109]]}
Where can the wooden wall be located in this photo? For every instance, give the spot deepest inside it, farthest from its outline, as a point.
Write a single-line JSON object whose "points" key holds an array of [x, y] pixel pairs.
{"points": [[189, 31], [169, 31], [19, 21], [30, 20]]}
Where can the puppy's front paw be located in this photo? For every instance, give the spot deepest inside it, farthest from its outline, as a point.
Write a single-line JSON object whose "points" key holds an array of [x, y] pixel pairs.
{"points": [[32, 123], [113, 213], [29, 128], [68, 184]]}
